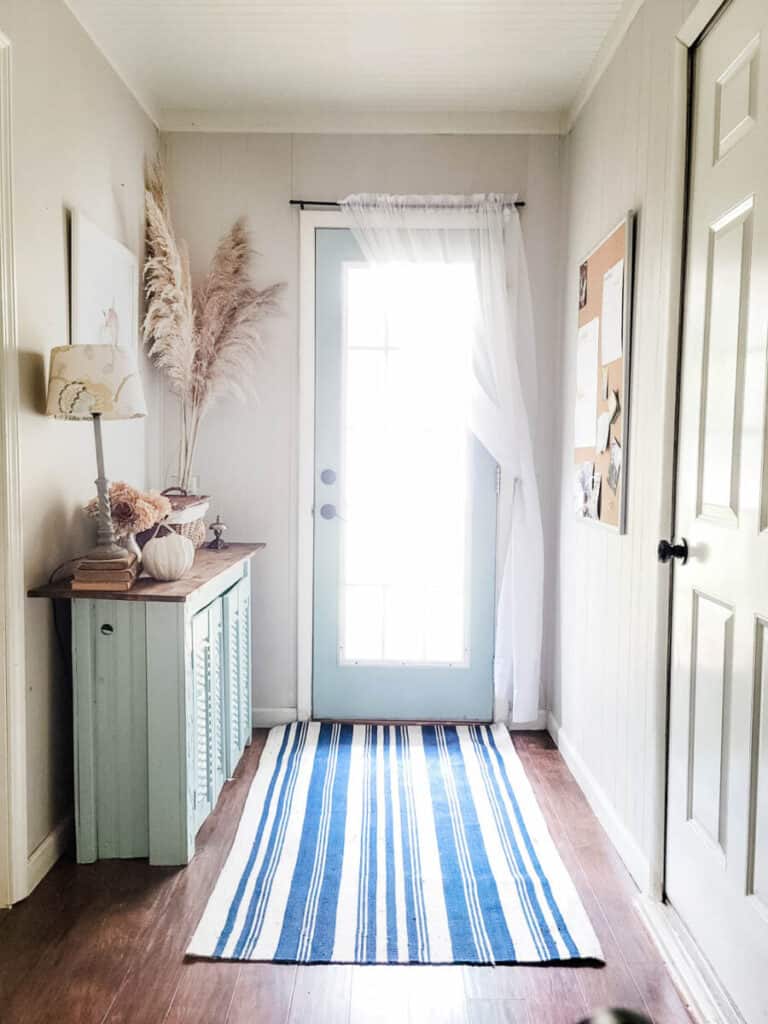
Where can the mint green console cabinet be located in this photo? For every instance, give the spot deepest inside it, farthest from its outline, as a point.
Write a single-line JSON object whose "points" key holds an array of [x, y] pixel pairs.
{"points": [[162, 705]]}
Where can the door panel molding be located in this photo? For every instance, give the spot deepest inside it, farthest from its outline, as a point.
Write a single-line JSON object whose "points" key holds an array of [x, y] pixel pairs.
{"points": [[711, 659], [722, 370], [736, 85]]}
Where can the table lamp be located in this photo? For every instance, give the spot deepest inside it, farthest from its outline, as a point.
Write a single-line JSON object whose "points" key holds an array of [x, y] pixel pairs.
{"points": [[94, 382]]}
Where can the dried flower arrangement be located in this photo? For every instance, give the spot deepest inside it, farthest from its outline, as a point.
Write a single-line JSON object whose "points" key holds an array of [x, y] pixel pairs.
{"points": [[206, 339], [133, 511]]}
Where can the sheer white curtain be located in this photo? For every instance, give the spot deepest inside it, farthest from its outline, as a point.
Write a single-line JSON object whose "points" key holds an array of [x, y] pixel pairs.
{"points": [[484, 230]]}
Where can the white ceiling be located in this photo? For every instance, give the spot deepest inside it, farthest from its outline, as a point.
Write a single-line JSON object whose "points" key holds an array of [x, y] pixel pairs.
{"points": [[295, 65]]}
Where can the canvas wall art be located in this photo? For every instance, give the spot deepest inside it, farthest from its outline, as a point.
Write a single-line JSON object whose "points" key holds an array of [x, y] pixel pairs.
{"points": [[104, 288]]}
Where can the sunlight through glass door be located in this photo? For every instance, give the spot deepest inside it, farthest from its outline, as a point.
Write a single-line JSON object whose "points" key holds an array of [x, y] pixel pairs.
{"points": [[406, 511]]}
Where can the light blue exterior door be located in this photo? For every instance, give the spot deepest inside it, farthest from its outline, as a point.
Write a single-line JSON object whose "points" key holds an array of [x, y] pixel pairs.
{"points": [[405, 497]]}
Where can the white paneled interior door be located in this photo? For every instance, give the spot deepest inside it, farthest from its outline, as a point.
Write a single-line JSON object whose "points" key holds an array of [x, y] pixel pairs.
{"points": [[717, 835]]}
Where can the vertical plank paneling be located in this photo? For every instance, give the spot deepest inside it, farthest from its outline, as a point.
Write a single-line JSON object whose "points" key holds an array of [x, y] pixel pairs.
{"points": [[607, 683], [84, 731], [121, 743]]}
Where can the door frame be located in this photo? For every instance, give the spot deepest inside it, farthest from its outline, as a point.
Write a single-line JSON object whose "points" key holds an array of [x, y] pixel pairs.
{"points": [[686, 38], [688, 967], [309, 221], [13, 768]]}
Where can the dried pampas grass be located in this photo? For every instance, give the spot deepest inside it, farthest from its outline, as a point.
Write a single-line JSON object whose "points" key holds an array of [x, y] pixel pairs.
{"points": [[169, 320], [206, 340]]}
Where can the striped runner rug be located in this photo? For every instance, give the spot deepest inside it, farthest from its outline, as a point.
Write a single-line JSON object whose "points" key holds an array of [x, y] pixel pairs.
{"points": [[393, 844]]}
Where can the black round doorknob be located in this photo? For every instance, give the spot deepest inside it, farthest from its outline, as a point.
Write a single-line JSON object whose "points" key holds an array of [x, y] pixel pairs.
{"points": [[667, 551]]}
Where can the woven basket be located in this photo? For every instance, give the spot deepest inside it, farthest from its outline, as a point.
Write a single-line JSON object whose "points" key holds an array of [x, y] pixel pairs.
{"points": [[188, 514]]}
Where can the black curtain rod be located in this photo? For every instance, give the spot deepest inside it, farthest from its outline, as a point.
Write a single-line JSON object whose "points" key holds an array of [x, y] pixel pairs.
{"points": [[330, 205]]}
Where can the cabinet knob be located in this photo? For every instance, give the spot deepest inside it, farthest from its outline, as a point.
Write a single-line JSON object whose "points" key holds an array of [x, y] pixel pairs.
{"points": [[107, 630]]}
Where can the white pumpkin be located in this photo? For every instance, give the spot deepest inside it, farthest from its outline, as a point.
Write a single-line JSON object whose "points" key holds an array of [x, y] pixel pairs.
{"points": [[168, 557]]}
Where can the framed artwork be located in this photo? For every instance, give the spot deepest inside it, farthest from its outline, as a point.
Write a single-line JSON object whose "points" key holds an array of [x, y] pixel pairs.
{"points": [[104, 288]]}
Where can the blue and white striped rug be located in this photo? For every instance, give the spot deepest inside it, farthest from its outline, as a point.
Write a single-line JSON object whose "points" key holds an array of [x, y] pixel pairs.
{"points": [[393, 844]]}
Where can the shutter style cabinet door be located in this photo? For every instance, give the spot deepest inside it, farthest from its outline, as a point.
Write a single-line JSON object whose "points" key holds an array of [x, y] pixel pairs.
{"points": [[237, 687], [231, 642], [201, 669], [216, 699], [244, 660], [210, 739]]}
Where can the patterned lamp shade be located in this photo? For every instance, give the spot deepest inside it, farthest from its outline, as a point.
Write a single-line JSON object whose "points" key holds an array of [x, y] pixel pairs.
{"points": [[89, 379]]}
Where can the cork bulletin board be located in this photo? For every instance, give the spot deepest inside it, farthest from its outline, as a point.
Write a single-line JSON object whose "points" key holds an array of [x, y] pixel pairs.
{"points": [[601, 407]]}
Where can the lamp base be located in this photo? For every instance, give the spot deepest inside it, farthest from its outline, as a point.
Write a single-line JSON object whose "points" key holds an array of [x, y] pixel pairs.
{"points": [[110, 553]]}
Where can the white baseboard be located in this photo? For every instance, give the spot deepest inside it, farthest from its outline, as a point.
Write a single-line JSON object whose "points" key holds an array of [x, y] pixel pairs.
{"points": [[539, 724], [45, 855], [693, 977], [627, 847], [265, 718]]}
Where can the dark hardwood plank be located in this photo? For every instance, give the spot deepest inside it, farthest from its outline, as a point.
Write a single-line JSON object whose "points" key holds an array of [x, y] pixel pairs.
{"points": [[83, 968], [262, 995], [204, 993], [36, 922], [524, 739]]}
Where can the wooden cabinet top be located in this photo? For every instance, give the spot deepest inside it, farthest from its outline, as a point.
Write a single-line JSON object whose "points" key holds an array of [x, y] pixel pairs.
{"points": [[207, 566]]}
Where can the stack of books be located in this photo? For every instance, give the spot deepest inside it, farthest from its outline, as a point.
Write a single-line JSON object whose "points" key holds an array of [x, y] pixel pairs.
{"points": [[106, 573]]}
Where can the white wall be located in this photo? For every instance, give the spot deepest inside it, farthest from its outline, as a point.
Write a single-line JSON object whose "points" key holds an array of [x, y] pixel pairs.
{"points": [[247, 455], [611, 645], [79, 140]]}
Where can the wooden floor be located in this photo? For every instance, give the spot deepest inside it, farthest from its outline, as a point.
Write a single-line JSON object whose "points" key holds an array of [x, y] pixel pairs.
{"points": [[104, 944]]}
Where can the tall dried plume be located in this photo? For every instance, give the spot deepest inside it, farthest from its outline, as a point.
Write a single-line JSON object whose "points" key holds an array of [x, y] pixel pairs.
{"points": [[169, 320], [227, 312]]}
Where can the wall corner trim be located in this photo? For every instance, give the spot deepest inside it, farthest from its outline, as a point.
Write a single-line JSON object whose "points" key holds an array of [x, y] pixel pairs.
{"points": [[627, 847], [45, 854]]}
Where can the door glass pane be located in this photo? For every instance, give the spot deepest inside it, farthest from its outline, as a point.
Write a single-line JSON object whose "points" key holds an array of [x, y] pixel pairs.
{"points": [[405, 491]]}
